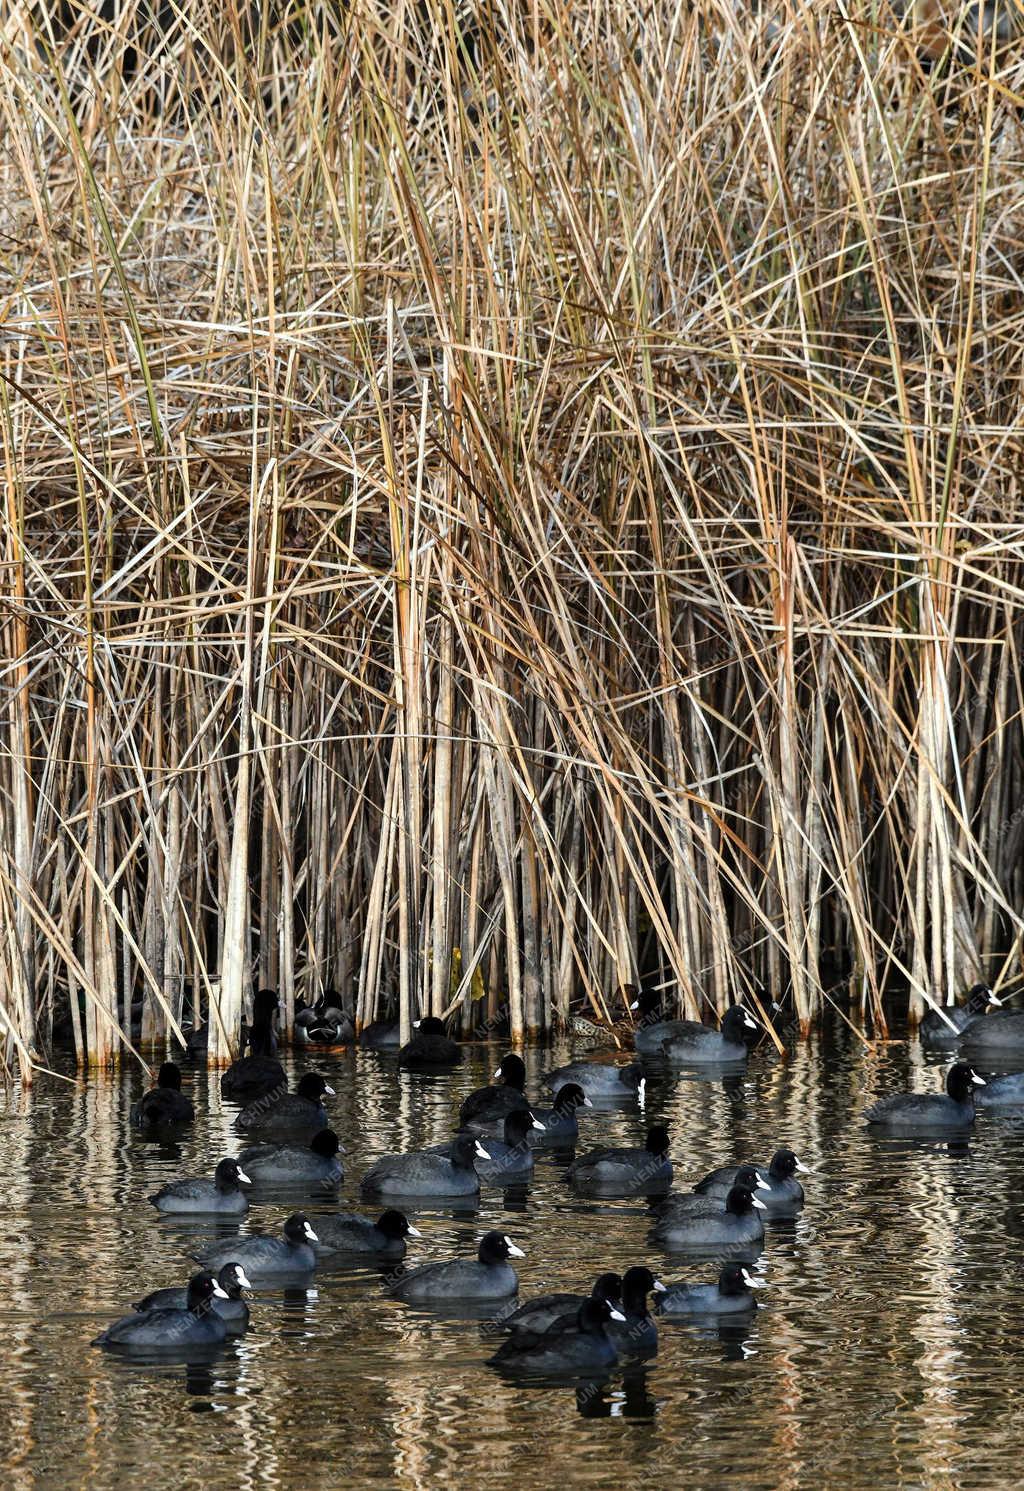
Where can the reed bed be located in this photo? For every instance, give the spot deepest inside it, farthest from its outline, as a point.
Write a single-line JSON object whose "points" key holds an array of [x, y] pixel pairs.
{"points": [[503, 504]]}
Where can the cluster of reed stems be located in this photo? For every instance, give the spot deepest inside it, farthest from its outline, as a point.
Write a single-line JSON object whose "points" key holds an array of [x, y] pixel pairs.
{"points": [[503, 503]]}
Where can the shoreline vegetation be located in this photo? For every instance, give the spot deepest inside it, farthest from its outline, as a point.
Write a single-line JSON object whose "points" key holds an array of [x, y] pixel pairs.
{"points": [[502, 509]]}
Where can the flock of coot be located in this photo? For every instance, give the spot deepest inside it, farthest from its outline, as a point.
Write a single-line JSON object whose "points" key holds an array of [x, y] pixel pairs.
{"points": [[500, 1131]]}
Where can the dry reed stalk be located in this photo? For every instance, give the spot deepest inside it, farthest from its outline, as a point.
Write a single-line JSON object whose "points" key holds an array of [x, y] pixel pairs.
{"points": [[543, 485]]}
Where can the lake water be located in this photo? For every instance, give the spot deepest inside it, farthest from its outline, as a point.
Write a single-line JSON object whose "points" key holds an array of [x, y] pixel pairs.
{"points": [[887, 1351]]}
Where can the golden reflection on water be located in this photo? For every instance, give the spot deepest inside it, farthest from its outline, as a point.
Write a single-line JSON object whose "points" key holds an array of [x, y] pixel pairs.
{"points": [[888, 1350]]}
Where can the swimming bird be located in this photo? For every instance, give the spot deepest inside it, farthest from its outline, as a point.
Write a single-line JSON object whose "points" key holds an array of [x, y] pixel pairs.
{"points": [[732, 1294], [636, 1334], [777, 1185], [232, 1308], [488, 1107], [164, 1103], [1001, 1094], [195, 1326], [424, 1174], [220, 1196], [381, 1035], [913, 1112], [289, 1113], [561, 1124], [323, 1024], [257, 1073], [540, 1313], [692, 1203], [710, 1225], [430, 1049], [624, 1172], [293, 1164], [487, 1276], [266, 1258], [582, 1344], [945, 1029], [509, 1160], [600, 1080], [350, 1233], [995, 1037], [690, 1043]]}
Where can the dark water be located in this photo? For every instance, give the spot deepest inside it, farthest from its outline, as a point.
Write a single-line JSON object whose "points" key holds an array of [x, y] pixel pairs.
{"points": [[888, 1350]]}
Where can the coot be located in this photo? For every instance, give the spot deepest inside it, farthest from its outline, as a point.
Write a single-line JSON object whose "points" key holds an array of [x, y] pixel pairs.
{"points": [[291, 1113], [929, 1112], [285, 1164], [219, 1196], [487, 1276], [197, 1326], [164, 1103]]}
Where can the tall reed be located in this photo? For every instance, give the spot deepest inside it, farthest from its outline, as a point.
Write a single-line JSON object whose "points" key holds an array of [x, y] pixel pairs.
{"points": [[501, 503]]}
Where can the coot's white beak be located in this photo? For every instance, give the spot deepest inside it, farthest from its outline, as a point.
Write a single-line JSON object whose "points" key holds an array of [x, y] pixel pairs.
{"points": [[994, 999], [586, 1102], [243, 1177], [978, 1081], [617, 1314], [218, 1291], [752, 1282], [759, 1204], [413, 1232], [329, 1091], [513, 1251], [659, 1287], [804, 1169], [748, 1022], [307, 1229], [537, 1123], [762, 1184], [415, 1025], [240, 1275], [481, 1153], [497, 1071], [635, 1005]]}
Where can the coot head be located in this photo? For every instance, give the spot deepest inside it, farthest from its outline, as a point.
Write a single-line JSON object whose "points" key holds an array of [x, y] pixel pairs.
{"points": [[202, 1289], [648, 1005], [313, 1087], [325, 1144], [637, 1284], [594, 1314], [495, 1247], [396, 1225], [737, 1024], [569, 1098], [750, 1178], [232, 1280], [961, 1081], [657, 1139], [170, 1076], [980, 998], [607, 1287], [297, 1230], [430, 1025], [740, 1201], [518, 1124], [512, 1072], [465, 1150], [228, 1175], [735, 1279], [784, 1164]]}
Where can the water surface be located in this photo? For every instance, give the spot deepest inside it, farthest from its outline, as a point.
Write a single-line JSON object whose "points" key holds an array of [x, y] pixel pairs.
{"points": [[887, 1350]]}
